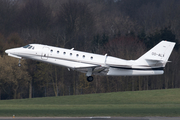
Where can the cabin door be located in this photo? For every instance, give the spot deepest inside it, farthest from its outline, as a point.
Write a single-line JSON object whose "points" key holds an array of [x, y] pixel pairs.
{"points": [[45, 53]]}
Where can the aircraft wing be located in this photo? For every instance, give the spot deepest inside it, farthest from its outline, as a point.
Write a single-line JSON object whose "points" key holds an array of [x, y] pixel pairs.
{"points": [[96, 69], [79, 65]]}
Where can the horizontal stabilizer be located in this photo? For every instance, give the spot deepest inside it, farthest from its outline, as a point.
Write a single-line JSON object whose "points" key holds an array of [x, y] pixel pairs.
{"points": [[154, 59]]}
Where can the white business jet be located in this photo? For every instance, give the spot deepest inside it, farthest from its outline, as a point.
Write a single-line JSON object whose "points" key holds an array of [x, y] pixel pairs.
{"points": [[151, 63]]}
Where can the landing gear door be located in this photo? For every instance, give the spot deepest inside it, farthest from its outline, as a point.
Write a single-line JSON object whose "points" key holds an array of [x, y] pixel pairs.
{"points": [[45, 53]]}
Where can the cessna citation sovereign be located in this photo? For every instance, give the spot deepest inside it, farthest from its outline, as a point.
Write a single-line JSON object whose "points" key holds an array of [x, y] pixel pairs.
{"points": [[151, 63]]}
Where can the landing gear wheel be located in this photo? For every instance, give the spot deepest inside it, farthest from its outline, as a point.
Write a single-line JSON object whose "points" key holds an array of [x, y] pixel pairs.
{"points": [[89, 78], [19, 64]]}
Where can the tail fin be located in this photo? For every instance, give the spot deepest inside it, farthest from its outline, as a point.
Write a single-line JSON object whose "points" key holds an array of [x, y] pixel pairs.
{"points": [[158, 54]]}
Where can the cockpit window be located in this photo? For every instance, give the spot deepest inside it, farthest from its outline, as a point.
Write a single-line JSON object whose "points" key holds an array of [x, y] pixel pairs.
{"points": [[29, 47], [26, 46]]}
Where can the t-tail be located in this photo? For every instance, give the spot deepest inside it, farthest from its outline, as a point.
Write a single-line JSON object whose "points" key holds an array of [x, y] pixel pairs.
{"points": [[157, 57]]}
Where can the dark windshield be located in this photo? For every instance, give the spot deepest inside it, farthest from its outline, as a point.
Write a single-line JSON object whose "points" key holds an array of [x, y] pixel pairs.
{"points": [[26, 46]]}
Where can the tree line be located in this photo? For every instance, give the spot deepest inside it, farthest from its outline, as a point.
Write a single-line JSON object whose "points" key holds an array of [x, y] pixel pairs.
{"points": [[120, 28]]}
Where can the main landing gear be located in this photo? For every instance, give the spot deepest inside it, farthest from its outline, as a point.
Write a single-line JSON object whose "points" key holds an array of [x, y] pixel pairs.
{"points": [[89, 78], [88, 74]]}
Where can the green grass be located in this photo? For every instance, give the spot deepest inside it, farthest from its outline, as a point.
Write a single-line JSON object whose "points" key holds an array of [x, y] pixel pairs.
{"points": [[138, 103]]}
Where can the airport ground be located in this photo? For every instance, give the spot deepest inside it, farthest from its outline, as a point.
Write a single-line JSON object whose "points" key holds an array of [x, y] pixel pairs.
{"points": [[131, 105], [90, 118]]}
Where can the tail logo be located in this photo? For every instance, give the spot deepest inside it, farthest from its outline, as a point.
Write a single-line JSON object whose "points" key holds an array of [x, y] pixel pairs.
{"points": [[156, 54]]}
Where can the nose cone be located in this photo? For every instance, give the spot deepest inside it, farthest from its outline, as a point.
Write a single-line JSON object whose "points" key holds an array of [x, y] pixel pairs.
{"points": [[13, 53], [7, 51]]}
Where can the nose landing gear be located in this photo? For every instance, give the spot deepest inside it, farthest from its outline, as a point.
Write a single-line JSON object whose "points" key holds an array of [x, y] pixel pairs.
{"points": [[19, 64]]}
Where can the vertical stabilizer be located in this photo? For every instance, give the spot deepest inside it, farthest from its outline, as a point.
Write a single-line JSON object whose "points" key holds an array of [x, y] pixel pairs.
{"points": [[159, 53]]}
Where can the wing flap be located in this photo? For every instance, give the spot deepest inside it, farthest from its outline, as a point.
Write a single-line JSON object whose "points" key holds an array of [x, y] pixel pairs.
{"points": [[116, 65]]}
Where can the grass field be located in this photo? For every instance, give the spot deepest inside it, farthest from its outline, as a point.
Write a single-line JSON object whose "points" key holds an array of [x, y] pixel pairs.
{"points": [[137, 103]]}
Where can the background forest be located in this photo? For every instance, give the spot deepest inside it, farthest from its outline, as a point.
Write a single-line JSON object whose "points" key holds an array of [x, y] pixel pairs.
{"points": [[120, 28]]}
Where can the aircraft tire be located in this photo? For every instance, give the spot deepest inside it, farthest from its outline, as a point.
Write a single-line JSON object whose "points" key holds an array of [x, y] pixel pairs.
{"points": [[19, 64], [90, 78]]}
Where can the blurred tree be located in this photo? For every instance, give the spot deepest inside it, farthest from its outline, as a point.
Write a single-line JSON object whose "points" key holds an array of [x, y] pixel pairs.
{"points": [[47, 76], [14, 79], [2, 45], [99, 42], [163, 34], [129, 48], [131, 7], [8, 12], [75, 21], [43, 76], [34, 18], [34, 15]]}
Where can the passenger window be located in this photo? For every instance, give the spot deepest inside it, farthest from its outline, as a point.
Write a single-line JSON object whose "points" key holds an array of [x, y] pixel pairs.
{"points": [[77, 55], [91, 57], [64, 53], [57, 52], [51, 50], [70, 54], [83, 56]]}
